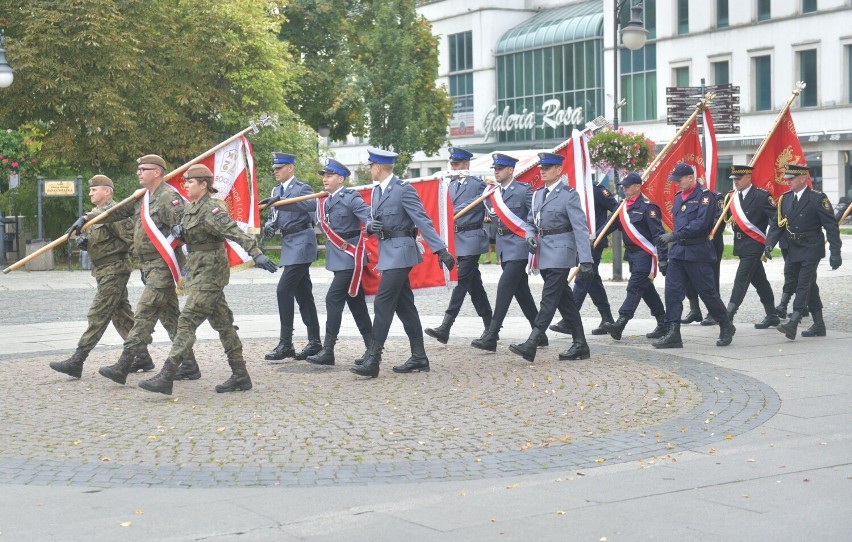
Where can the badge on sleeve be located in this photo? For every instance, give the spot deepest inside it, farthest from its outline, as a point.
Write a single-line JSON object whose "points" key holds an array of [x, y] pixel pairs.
{"points": [[705, 200], [216, 210], [683, 208], [652, 213], [826, 204], [772, 201], [176, 202], [606, 192]]}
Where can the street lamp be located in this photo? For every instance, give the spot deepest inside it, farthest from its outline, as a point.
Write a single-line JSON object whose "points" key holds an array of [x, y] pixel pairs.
{"points": [[634, 37], [7, 75], [323, 130]]}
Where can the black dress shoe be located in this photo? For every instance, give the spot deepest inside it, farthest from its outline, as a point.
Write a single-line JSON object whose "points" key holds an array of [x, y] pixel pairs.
{"points": [[413, 365]]}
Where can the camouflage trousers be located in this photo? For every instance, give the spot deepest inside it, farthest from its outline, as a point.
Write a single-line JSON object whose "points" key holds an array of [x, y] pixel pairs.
{"points": [[207, 305], [109, 305], [154, 304]]}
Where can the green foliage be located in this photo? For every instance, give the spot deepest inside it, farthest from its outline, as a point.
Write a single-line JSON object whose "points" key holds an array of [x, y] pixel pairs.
{"points": [[622, 150], [18, 154]]}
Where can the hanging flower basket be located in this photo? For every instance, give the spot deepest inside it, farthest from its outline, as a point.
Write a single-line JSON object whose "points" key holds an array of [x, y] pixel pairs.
{"points": [[625, 151]]}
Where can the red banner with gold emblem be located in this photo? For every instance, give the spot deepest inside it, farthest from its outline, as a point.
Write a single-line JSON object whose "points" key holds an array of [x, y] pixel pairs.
{"points": [[781, 148]]}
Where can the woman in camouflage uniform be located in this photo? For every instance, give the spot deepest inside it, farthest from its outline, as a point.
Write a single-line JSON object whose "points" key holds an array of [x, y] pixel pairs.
{"points": [[204, 227]]}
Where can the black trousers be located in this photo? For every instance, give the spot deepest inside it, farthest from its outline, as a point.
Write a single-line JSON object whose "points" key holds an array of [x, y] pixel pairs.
{"points": [[700, 276], [640, 287], [751, 271], [338, 296], [470, 280], [556, 294], [595, 288], [719, 247], [295, 283], [804, 276], [395, 296], [514, 283]]}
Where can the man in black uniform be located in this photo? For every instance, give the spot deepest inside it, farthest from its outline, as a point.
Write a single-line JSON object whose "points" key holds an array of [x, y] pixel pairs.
{"points": [[802, 215], [752, 210], [694, 314]]}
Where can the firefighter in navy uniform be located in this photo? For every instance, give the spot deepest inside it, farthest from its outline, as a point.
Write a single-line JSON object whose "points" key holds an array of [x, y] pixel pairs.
{"points": [[691, 257], [802, 215], [694, 314], [645, 217], [758, 212]]}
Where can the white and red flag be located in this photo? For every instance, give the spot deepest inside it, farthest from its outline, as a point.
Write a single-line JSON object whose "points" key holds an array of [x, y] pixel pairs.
{"points": [[712, 152]]}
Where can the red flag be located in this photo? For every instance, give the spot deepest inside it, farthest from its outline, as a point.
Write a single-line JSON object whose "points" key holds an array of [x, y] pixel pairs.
{"points": [[428, 274], [658, 188], [781, 148], [712, 151], [235, 178]]}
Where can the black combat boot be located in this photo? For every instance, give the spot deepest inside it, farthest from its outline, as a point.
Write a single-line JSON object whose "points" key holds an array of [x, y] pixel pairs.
{"points": [[615, 329], [694, 314], [239, 380], [285, 348], [314, 344], [73, 366], [164, 381], [118, 372], [561, 327], [543, 340], [418, 362], [732, 310], [661, 328], [606, 318], [818, 327], [442, 332], [142, 363], [486, 320], [528, 348], [770, 320], [781, 308], [726, 332], [579, 348], [368, 340], [372, 359], [709, 320], [789, 327], [671, 339], [488, 340], [326, 355], [188, 369]]}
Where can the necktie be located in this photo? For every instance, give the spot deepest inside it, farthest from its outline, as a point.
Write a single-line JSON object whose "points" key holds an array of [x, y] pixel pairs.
{"points": [[741, 198], [502, 191], [378, 192], [795, 199]]}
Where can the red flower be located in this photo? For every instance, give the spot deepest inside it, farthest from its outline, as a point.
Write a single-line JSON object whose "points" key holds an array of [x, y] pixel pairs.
{"points": [[33, 160], [14, 164]]}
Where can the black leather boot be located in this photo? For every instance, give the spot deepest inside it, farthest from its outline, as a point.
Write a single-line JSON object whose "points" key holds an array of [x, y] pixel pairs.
{"points": [[368, 340], [606, 318], [732, 310], [781, 308], [528, 348], [694, 314], [239, 379], [326, 355], [709, 320], [442, 332], [284, 349], [671, 339], [418, 362], [188, 368], [370, 365], [314, 344], [142, 363], [789, 327], [818, 327], [770, 320], [726, 332], [543, 340], [660, 330], [164, 381], [488, 340], [561, 327], [118, 372], [73, 366], [616, 328], [579, 348]]}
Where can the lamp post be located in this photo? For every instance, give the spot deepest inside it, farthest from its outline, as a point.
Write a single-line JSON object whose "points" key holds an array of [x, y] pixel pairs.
{"points": [[634, 37], [7, 74], [323, 130]]}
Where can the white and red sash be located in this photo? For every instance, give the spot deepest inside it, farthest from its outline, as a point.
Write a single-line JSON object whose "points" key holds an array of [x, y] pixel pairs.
{"points": [[743, 222], [164, 245], [638, 239], [511, 221], [357, 251]]}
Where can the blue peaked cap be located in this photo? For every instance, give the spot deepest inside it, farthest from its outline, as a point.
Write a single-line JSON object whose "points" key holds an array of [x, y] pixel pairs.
{"points": [[333, 166], [282, 159], [631, 178], [681, 170], [550, 159], [457, 154], [381, 156], [503, 160]]}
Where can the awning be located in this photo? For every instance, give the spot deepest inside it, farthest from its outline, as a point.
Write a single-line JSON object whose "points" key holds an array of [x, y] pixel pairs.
{"points": [[576, 22]]}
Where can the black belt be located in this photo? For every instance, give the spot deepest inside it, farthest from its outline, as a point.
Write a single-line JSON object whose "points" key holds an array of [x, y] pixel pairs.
{"points": [[200, 247], [384, 234], [349, 234], [295, 229], [799, 236], [687, 242], [109, 259], [471, 227], [503, 231], [554, 231]]}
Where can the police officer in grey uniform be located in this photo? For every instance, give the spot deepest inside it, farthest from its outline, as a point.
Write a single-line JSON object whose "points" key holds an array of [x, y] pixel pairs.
{"points": [[344, 212], [295, 222], [471, 241], [558, 234], [397, 214]]}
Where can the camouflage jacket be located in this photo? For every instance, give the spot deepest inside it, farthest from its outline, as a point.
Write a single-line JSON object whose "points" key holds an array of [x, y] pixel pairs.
{"points": [[109, 245]]}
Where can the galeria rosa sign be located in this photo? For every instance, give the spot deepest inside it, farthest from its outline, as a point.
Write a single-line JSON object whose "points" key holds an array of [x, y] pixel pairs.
{"points": [[552, 116]]}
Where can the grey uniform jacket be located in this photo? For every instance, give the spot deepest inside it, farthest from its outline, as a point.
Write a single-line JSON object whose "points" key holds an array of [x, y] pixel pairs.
{"points": [[462, 193], [299, 247], [560, 209], [518, 198], [400, 209], [344, 213]]}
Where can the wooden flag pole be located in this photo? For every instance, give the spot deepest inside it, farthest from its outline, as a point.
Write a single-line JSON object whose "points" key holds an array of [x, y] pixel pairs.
{"points": [[297, 199]]}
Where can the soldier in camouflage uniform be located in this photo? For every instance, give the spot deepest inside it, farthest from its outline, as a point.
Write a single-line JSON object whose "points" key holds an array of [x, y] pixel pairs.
{"points": [[159, 298], [204, 227], [108, 246]]}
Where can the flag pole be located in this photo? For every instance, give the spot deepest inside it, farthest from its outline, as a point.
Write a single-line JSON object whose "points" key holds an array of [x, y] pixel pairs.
{"points": [[800, 86], [297, 199], [264, 120]]}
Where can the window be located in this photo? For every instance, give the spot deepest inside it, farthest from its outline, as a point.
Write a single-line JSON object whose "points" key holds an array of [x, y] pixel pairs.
{"points": [[722, 14], [764, 10], [762, 71], [683, 16], [809, 6], [681, 76], [807, 61], [461, 83], [721, 72], [638, 71], [848, 49]]}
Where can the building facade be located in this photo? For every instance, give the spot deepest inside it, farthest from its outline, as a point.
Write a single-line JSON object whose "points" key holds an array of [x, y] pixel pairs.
{"points": [[524, 73]]}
